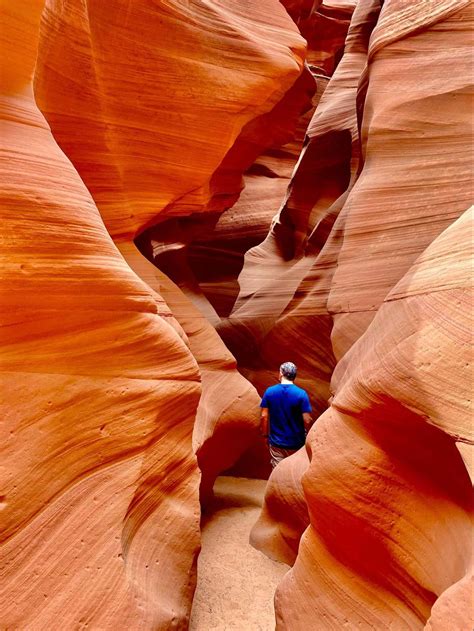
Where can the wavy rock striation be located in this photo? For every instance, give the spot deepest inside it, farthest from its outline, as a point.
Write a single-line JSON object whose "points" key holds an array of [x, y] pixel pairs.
{"points": [[227, 418], [116, 379], [176, 100], [377, 505], [207, 252], [324, 25], [226, 83], [296, 262], [286, 279], [106, 373], [100, 513], [389, 460]]}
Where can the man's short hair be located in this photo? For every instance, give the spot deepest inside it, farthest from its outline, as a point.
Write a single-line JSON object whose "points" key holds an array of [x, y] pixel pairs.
{"points": [[288, 370]]}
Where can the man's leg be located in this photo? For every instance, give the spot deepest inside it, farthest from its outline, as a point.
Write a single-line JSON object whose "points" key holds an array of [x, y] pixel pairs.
{"points": [[277, 454]]}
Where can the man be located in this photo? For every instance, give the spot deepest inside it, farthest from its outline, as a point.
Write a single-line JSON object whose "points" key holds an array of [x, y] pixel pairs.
{"points": [[285, 418]]}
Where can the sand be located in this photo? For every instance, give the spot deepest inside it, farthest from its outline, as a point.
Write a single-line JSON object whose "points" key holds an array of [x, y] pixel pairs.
{"points": [[236, 584]]}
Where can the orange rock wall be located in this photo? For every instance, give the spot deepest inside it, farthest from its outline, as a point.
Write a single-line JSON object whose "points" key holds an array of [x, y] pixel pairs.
{"points": [[99, 483], [387, 489], [227, 417], [170, 95], [208, 251], [115, 379], [308, 231], [158, 108], [377, 504], [324, 25], [286, 279], [174, 115]]}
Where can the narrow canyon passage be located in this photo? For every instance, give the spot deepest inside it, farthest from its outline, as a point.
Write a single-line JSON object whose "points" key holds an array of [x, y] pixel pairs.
{"points": [[192, 194], [236, 583]]}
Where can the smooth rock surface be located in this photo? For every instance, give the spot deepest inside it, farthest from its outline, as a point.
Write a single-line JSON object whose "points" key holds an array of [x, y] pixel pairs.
{"points": [[390, 538], [174, 115], [99, 483], [376, 506], [176, 99], [227, 417], [137, 125]]}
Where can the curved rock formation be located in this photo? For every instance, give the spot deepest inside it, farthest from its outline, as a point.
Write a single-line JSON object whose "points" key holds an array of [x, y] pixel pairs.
{"points": [[99, 462], [99, 512], [364, 280], [324, 25], [386, 479], [377, 505], [404, 127], [284, 516], [176, 99], [226, 83], [285, 280], [211, 249], [227, 418]]}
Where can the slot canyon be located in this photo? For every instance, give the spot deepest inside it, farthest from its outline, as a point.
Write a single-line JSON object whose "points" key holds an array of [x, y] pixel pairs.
{"points": [[192, 193]]}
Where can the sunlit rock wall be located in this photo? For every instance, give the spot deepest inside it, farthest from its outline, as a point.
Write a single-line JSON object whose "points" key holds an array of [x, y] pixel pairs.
{"points": [[387, 489], [390, 541], [247, 224], [115, 382], [99, 483], [173, 115], [227, 417], [173, 96], [293, 270], [157, 109], [206, 253], [296, 261]]}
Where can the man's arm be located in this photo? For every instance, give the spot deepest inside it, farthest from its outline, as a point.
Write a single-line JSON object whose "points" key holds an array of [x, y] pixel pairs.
{"points": [[306, 411], [264, 417]]}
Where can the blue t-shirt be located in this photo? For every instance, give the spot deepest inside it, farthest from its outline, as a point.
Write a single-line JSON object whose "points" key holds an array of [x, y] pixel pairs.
{"points": [[286, 404]]}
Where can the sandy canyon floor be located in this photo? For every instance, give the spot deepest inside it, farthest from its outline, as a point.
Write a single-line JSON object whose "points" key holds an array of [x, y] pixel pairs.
{"points": [[236, 583]]}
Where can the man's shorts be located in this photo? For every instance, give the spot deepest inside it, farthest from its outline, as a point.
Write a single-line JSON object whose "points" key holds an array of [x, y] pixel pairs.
{"points": [[277, 454]]}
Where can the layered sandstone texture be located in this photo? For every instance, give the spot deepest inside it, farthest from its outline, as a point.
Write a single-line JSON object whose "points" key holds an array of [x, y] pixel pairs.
{"points": [[288, 267], [99, 481], [177, 99], [136, 125], [112, 121], [227, 418], [208, 252], [286, 280], [174, 114], [324, 25], [381, 250]]}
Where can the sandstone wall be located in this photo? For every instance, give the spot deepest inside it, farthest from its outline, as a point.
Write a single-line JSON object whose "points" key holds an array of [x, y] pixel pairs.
{"points": [[387, 489], [99, 481], [174, 114], [116, 381], [159, 105], [390, 541], [157, 109]]}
